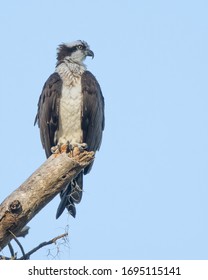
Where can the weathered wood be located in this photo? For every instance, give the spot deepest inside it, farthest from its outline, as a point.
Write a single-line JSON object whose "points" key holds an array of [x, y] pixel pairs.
{"points": [[38, 190]]}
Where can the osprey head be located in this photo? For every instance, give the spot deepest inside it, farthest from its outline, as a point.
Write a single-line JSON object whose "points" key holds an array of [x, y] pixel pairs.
{"points": [[75, 52]]}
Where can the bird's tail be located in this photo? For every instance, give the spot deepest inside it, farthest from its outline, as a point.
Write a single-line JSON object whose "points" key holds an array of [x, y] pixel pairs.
{"points": [[70, 195]]}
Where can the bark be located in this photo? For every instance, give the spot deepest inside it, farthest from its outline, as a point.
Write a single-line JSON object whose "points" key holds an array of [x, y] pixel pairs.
{"points": [[37, 191]]}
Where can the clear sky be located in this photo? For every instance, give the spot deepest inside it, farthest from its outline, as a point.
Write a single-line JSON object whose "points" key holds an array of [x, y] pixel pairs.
{"points": [[146, 197]]}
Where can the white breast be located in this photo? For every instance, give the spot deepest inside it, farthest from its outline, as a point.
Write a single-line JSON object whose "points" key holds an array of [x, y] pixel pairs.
{"points": [[70, 113]]}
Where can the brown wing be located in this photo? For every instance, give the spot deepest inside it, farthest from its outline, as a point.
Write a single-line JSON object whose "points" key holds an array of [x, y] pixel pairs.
{"points": [[48, 111], [93, 113]]}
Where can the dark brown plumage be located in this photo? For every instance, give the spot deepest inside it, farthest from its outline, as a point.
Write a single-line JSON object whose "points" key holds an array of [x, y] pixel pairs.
{"points": [[48, 111]]}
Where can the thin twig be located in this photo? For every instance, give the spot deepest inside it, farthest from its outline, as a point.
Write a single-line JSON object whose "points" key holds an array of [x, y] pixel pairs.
{"points": [[53, 240]]}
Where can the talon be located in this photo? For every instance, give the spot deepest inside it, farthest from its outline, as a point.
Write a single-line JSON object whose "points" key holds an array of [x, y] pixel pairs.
{"points": [[82, 146], [55, 150]]}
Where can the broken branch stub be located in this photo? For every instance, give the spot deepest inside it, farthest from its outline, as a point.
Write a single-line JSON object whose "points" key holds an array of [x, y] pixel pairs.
{"points": [[37, 191]]}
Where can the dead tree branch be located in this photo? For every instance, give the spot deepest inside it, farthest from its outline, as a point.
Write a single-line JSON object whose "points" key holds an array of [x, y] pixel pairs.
{"points": [[37, 191]]}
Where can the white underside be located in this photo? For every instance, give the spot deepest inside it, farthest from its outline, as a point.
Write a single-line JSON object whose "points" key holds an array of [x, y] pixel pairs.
{"points": [[70, 113]]}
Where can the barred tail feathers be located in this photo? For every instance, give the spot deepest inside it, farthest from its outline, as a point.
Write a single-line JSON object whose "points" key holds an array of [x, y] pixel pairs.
{"points": [[70, 195]]}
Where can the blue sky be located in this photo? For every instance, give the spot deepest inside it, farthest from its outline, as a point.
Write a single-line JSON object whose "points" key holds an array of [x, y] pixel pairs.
{"points": [[146, 197]]}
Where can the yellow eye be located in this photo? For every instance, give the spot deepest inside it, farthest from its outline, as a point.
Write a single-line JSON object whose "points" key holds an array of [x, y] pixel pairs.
{"points": [[80, 47]]}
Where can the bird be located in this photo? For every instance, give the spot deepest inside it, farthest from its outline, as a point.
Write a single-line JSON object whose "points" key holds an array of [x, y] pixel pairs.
{"points": [[71, 112]]}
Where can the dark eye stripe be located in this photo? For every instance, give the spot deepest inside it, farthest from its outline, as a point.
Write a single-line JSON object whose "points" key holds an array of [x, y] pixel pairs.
{"points": [[67, 51]]}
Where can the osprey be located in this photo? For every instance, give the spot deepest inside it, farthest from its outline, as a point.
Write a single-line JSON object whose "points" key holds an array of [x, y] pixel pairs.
{"points": [[71, 112]]}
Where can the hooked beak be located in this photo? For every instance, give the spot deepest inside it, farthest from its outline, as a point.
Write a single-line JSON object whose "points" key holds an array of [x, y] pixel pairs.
{"points": [[90, 53]]}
